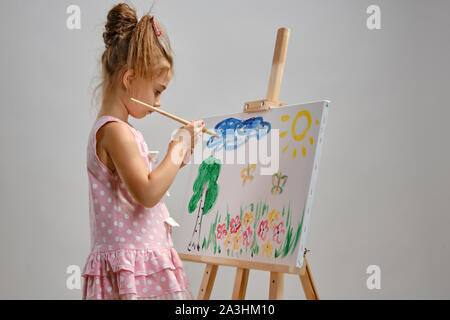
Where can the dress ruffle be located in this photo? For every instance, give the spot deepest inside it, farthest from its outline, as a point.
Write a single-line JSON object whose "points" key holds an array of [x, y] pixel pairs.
{"points": [[151, 273]]}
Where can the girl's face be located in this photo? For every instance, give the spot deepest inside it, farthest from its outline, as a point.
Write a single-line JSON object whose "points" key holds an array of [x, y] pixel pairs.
{"points": [[148, 91]]}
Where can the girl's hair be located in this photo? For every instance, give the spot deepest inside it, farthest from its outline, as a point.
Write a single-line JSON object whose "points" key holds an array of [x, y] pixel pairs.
{"points": [[132, 44]]}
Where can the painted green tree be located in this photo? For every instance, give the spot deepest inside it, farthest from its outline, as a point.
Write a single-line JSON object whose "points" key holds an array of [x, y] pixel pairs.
{"points": [[205, 194]]}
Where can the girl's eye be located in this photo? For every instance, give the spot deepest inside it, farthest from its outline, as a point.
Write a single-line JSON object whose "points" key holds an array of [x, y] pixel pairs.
{"points": [[158, 93]]}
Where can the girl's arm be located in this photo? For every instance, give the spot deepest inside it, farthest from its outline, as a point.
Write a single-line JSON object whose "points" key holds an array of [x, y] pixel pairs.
{"points": [[146, 188]]}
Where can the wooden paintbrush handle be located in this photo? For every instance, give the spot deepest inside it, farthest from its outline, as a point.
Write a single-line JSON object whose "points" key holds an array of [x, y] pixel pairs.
{"points": [[171, 116]]}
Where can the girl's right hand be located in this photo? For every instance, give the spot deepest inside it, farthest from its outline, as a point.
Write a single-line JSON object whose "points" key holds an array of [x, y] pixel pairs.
{"points": [[184, 140], [194, 130]]}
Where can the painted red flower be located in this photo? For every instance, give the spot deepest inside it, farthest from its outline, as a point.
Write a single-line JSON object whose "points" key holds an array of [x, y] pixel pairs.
{"points": [[278, 233], [263, 229], [247, 236], [235, 224], [221, 230]]}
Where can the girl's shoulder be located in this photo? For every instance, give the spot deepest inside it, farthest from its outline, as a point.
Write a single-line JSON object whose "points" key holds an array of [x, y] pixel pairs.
{"points": [[109, 128], [113, 127], [103, 120], [120, 131]]}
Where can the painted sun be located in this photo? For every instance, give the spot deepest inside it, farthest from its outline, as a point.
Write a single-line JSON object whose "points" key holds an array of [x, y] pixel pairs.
{"points": [[298, 134]]}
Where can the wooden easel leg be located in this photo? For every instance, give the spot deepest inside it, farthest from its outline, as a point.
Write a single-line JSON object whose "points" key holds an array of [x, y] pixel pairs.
{"points": [[308, 284], [276, 286], [208, 281], [240, 284]]}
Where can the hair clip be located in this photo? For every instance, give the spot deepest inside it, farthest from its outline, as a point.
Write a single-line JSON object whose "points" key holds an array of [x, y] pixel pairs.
{"points": [[157, 31]]}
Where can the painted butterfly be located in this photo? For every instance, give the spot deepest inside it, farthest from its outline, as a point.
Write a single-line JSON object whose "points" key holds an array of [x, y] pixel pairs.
{"points": [[278, 182], [246, 173]]}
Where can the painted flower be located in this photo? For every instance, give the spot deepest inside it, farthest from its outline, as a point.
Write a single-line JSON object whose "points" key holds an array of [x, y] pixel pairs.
{"points": [[273, 218], [248, 219], [227, 242], [278, 233], [221, 230], [263, 229], [267, 250], [247, 236], [235, 224], [237, 241]]}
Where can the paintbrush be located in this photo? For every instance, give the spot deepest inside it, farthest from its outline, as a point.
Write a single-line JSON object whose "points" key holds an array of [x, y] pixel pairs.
{"points": [[171, 116]]}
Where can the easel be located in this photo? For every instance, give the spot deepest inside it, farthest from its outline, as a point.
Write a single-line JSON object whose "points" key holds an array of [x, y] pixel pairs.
{"points": [[243, 267]]}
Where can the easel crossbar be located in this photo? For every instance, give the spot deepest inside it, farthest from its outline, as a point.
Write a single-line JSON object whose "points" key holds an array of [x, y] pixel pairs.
{"points": [[243, 264]]}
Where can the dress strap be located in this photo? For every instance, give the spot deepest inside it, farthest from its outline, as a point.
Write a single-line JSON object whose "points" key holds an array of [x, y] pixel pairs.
{"points": [[104, 119]]}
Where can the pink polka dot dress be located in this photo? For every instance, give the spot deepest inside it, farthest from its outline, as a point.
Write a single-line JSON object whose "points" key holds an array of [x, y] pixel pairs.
{"points": [[132, 255]]}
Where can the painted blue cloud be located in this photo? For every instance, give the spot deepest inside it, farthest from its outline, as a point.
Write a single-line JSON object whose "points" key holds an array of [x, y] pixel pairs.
{"points": [[234, 133]]}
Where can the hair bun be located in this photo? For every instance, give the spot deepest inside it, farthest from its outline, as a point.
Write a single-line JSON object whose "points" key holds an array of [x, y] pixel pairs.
{"points": [[121, 21]]}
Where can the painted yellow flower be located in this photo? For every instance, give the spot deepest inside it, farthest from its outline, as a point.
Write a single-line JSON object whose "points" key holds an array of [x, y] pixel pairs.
{"points": [[237, 241], [273, 218], [227, 242], [267, 251], [248, 219]]}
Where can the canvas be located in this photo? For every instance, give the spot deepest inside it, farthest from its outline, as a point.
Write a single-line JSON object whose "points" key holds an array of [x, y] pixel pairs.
{"points": [[250, 192]]}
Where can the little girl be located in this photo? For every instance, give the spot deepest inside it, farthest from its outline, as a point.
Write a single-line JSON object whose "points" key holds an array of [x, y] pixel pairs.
{"points": [[132, 254]]}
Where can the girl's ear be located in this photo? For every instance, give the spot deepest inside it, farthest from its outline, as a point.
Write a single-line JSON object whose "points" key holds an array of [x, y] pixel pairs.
{"points": [[128, 78]]}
